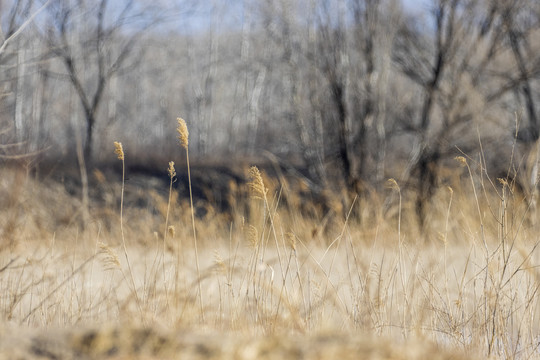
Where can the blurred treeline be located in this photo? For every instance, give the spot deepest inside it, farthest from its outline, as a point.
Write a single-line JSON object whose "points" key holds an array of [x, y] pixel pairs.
{"points": [[351, 91]]}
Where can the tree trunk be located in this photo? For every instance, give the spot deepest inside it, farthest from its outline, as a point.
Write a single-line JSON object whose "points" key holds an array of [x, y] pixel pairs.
{"points": [[88, 145], [338, 96], [534, 126], [427, 181]]}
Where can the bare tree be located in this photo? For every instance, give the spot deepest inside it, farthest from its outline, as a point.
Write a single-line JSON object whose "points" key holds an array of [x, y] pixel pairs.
{"points": [[310, 79], [519, 21], [293, 41], [95, 41], [375, 26], [333, 62], [462, 74], [354, 63], [20, 16], [13, 57], [428, 73]]}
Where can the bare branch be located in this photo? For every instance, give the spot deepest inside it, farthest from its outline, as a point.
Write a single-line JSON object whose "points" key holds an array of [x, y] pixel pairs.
{"points": [[22, 27]]}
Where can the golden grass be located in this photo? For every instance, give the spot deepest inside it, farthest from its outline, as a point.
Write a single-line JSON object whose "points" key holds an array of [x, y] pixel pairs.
{"points": [[183, 136], [269, 283]]}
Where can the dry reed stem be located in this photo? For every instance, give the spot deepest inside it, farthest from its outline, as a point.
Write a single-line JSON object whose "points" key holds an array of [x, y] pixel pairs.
{"points": [[58, 287], [172, 174], [183, 136], [119, 151], [489, 303], [259, 191]]}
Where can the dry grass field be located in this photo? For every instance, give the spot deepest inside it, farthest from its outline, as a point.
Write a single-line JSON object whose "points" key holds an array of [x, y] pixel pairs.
{"points": [[158, 278]]}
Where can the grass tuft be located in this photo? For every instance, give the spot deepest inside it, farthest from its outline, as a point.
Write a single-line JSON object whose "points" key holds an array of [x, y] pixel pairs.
{"points": [[468, 285]]}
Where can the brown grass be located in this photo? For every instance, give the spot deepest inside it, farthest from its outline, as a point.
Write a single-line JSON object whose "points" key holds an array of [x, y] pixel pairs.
{"points": [[266, 281]]}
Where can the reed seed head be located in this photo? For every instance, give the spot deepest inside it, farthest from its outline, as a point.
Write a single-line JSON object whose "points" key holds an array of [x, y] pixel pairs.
{"points": [[291, 240], [256, 183], [252, 236], [462, 161], [183, 133], [172, 171], [392, 184], [171, 230], [110, 259], [119, 150], [219, 263]]}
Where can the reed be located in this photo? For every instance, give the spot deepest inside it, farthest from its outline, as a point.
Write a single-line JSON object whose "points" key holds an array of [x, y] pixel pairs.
{"points": [[470, 286], [169, 230], [119, 151], [183, 137]]}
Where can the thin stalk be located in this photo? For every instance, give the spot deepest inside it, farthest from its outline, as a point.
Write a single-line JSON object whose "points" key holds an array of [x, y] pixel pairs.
{"points": [[123, 237], [194, 236], [164, 246], [119, 151]]}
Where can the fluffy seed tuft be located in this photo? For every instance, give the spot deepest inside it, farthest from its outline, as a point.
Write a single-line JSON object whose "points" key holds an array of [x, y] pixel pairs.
{"points": [[119, 150], [462, 161], [392, 184], [252, 236], [183, 133], [172, 171], [171, 230], [110, 259], [291, 240], [256, 183], [219, 263]]}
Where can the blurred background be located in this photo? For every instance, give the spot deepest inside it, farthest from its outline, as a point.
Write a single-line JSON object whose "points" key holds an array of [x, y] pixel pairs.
{"points": [[347, 93]]}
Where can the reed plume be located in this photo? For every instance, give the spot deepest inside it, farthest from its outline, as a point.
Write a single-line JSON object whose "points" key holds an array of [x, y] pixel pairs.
{"points": [[291, 240], [119, 151], [252, 236], [183, 133], [392, 184], [110, 259], [256, 183], [461, 160], [183, 136], [172, 171]]}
